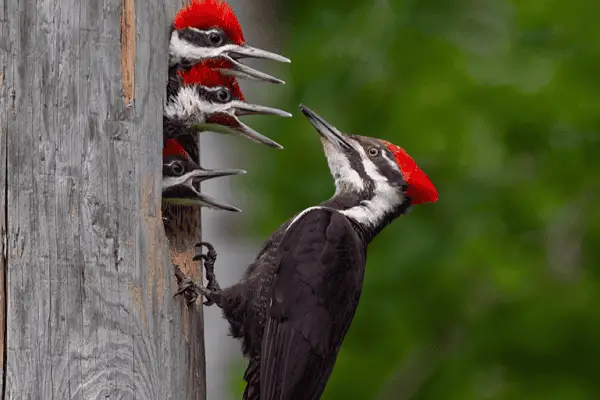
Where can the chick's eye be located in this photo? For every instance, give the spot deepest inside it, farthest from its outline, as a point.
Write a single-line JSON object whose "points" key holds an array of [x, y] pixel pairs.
{"points": [[223, 95], [215, 39], [177, 168], [373, 151]]}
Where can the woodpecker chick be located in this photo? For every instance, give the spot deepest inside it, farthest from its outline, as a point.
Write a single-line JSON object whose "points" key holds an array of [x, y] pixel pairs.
{"points": [[182, 176], [295, 303], [207, 100], [209, 29]]}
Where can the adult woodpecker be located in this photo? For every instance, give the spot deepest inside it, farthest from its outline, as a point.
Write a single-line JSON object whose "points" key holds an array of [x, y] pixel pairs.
{"points": [[208, 100], [181, 177], [209, 29], [295, 303]]}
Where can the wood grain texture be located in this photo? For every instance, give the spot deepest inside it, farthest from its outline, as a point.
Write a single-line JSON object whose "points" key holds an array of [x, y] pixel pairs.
{"points": [[89, 307], [6, 107], [183, 228]]}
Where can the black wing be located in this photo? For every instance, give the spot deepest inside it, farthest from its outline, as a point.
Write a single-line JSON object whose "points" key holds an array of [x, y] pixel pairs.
{"points": [[315, 293]]}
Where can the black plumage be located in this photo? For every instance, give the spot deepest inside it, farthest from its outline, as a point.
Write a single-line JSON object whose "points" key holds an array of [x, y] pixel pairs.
{"points": [[314, 295]]}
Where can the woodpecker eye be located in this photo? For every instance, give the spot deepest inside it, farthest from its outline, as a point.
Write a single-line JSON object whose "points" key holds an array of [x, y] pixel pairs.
{"points": [[177, 168], [373, 151], [223, 95], [215, 39]]}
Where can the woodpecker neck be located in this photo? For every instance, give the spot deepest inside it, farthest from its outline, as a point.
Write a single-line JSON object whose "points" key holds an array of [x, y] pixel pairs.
{"points": [[363, 193], [370, 214]]}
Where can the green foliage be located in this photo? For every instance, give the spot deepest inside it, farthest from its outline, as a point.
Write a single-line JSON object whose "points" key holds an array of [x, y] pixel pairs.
{"points": [[493, 292]]}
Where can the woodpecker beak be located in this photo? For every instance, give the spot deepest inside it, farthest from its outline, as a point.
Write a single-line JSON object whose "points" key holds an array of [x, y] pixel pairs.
{"points": [[240, 70], [182, 190], [225, 120], [326, 130], [245, 51], [234, 52], [242, 108]]}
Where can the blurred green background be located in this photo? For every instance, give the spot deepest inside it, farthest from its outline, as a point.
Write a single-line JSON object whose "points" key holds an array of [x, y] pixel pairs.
{"points": [[494, 291]]}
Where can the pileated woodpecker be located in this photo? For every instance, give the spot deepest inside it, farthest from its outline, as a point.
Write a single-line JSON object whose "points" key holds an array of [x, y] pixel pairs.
{"points": [[207, 100], [202, 93], [297, 300], [209, 29], [181, 176]]}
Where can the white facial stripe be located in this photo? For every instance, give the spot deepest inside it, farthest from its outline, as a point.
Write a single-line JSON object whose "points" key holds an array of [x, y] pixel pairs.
{"points": [[187, 104], [180, 49], [385, 198], [206, 32], [390, 161], [345, 177]]}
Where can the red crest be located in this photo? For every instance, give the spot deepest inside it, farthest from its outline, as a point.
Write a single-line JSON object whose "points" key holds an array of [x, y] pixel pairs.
{"points": [[173, 148], [206, 14], [420, 189], [205, 74]]}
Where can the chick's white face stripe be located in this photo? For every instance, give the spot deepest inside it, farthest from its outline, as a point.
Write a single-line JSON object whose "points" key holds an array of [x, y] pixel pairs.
{"points": [[187, 104], [180, 48]]}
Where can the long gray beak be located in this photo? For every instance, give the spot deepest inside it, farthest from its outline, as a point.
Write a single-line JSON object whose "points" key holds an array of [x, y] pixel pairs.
{"points": [[235, 52], [242, 108], [243, 71], [182, 190], [326, 130], [226, 122], [246, 51]]}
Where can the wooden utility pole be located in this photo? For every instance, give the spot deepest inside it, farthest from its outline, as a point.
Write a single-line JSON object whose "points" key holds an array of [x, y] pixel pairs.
{"points": [[85, 278]]}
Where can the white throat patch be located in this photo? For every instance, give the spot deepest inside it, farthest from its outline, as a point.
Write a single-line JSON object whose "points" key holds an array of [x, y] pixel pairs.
{"points": [[344, 176], [385, 198], [187, 104]]}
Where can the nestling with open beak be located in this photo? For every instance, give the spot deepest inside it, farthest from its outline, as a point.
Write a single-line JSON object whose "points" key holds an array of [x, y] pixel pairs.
{"points": [[295, 303], [207, 100], [181, 177], [209, 29]]}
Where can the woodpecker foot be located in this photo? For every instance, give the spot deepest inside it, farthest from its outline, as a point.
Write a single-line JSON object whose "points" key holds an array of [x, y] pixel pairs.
{"points": [[209, 260], [190, 290]]}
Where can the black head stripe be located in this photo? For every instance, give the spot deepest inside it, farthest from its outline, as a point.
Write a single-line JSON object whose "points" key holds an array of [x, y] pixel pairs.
{"points": [[202, 38]]}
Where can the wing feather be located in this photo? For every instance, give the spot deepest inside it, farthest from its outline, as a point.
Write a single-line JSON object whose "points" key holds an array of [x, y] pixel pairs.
{"points": [[313, 300]]}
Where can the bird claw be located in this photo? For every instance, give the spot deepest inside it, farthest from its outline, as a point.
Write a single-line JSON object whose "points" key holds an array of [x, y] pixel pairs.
{"points": [[191, 290], [185, 286], [209, 260]]}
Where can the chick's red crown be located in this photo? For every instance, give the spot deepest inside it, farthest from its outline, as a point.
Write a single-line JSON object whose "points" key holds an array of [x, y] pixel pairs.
{"points": [[206, 74], [206, 14]]}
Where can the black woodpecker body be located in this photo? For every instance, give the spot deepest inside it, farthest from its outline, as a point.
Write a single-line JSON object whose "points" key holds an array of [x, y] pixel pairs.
{"points": [[295, 303]]}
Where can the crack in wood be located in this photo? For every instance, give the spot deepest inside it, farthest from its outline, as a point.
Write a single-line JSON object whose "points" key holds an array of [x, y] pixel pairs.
{"points": [[128, 50]]}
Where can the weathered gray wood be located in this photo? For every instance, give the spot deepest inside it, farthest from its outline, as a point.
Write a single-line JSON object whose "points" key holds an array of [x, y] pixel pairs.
{"points": [[183, 228], [5, 108], [89, 307]]}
